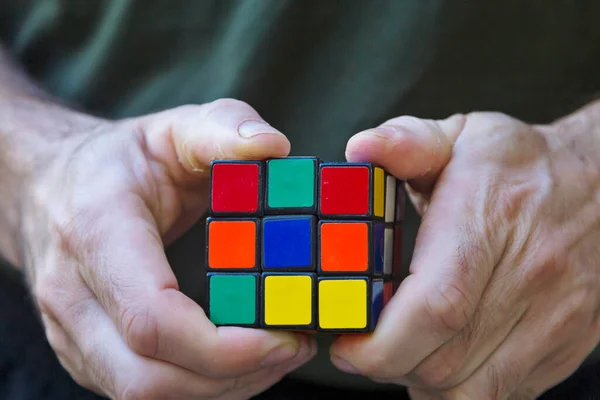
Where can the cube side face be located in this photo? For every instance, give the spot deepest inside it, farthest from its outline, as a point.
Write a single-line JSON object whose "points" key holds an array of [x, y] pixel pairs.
{"points": [[345, 247], [291, 185], [289, 301], [232, 244], [233, 299], [391, 194], [389, 252], [378, 301], [399, 272], [236, 188], [289, 243], [400, 201], [344, 304], [378, 242], [345, 190], [379, 192]]}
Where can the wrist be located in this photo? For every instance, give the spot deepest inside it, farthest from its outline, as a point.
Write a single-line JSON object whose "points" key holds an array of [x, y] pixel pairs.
{"points": [[574, 145], [33, 133]]}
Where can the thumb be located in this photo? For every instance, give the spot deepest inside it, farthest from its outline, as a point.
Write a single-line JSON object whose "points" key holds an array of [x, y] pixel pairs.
{"points": [[186, 139], [412, 149]]}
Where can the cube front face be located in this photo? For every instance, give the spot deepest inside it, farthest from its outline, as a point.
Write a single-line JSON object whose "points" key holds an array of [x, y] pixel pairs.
{"points": [[303, 245]]}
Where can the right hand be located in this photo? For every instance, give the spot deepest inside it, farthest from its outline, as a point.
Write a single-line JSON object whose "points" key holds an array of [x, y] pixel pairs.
{"points": [[96, 219]]}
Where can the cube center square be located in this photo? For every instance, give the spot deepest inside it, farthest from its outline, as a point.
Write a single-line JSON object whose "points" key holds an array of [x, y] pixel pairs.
{"points": [[233, 299], [232, 244], [236, 188], [289, 301], [288, 243], [343, 304], [291, 185]]}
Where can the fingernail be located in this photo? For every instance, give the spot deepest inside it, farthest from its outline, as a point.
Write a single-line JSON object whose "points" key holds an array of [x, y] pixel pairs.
{"points": [[344, 365], [191, 160], [280, 355], [252, 127]]}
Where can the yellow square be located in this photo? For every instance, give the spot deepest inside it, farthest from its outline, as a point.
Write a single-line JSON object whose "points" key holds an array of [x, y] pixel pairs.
{"points": [[379, 192], [288, 300], [343, 303]]}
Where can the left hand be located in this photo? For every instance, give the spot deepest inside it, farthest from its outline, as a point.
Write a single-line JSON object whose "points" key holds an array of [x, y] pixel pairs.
{"points": [[503, 299]]}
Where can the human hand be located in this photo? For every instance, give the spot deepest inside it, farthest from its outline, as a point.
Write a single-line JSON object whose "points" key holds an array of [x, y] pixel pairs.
{"points": [[503, 299], [96, 222]]}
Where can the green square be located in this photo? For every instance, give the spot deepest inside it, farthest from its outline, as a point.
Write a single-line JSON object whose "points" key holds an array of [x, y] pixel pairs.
{"points": [[291, 183], [232, 299]]}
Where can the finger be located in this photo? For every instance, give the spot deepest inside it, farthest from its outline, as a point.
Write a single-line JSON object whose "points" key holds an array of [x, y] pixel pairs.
{"points": [[138, 289], [186, 139], [259, 386], [412, 149], [121, 373], [498, 312], [454, 258]]}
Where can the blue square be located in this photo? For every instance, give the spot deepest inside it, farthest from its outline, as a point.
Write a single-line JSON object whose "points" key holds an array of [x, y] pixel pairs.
{"points": [[288, 243], [378, 247], [377, 301]]}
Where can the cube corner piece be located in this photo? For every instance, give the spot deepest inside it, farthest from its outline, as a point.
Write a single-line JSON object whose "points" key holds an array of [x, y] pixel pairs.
{"points": [[351, 190], [236, 188], [233, 299], [345, 304]]}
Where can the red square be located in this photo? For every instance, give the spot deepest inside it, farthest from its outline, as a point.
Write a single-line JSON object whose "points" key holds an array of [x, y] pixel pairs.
{"points": [[235, 187], [388, 292], [345, 190]]}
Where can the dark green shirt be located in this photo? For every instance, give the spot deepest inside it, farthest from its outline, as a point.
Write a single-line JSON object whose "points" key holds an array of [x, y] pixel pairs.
{"points": [[320, 71]]}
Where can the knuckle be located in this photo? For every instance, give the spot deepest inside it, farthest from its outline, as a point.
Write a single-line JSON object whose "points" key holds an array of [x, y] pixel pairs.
{"points": [[136, 389], [378, 365], [439, 371], [449, 309], [140, 329]]}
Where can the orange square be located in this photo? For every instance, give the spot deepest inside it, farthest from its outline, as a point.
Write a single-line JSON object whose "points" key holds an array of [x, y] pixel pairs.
{"points": [[344, 246], [232, 244]]}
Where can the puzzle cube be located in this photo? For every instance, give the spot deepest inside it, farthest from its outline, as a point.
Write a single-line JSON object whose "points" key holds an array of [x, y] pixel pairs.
{"points": [[291, 185], [303, 245]]}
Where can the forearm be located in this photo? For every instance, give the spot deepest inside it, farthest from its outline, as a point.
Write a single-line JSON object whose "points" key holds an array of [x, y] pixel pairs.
{"points": [[33, 125]]}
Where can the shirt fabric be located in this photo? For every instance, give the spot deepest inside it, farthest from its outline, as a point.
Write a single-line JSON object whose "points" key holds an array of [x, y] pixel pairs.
{"points": [[320, 71]]}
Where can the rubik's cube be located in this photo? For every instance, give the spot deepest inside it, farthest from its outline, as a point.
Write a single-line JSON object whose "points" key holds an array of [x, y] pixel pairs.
{"points": [[300, 244]]}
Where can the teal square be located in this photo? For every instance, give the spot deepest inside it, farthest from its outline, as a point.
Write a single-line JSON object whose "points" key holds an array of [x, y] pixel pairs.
{"points": [[232, 299], [291, 183]]}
